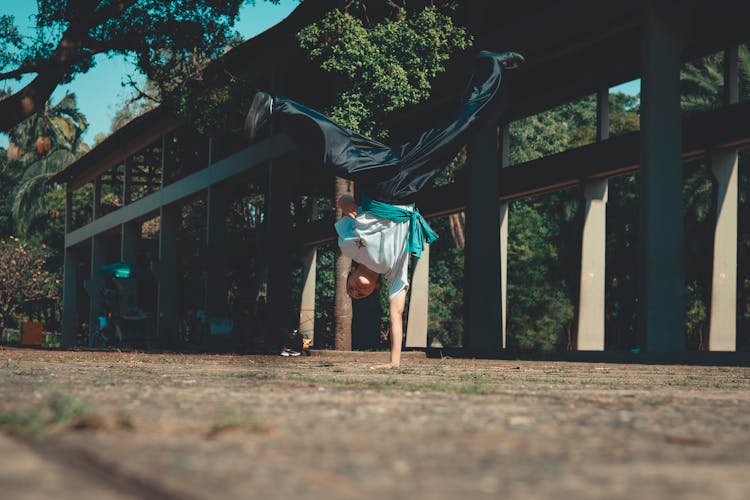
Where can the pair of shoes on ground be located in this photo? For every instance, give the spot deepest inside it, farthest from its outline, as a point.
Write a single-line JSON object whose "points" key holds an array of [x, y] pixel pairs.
{"points": [[289, 352]]}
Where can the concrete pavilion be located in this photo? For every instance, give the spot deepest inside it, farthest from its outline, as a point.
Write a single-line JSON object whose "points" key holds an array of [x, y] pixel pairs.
{"points": [[573, 49]]}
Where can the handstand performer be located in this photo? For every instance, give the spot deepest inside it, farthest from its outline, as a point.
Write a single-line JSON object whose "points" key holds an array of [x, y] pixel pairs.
{"points": [[380, 234]]}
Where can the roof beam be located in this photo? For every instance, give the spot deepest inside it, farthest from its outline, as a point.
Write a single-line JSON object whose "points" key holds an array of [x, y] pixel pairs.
{"points": [[248, 159]]}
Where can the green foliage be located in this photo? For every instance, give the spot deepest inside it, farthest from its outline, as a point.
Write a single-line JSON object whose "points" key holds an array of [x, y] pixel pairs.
{"points": [[550, 132], [152, 31], [47, 142], [169, 41], [385, 65], [696, 316], [702, 83], [539, 306], [23, 277], [60, 412], [743, 67], [446, 292]]}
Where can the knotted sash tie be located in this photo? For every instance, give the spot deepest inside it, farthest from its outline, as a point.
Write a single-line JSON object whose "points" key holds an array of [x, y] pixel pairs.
{"points": [[419, 230]]}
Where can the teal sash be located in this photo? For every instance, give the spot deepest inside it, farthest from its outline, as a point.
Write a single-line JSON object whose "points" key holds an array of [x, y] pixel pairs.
{"points": [[419, 230]]}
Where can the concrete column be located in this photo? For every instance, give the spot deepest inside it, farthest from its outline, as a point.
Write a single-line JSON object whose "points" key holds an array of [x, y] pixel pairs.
{"points": [[483, 320], [70, 299], [70, 280], [661, 253], [504, 212], [723, 323], [602, 115], [95, 283], [165, 176], [130, 234], [307, 305], [366, 315], [216, 253], [416, 331], [279, 261], [96, 203], [592, 282], [723, 315], [166, 275], [127, 183], [731, 76], [590, 335]]}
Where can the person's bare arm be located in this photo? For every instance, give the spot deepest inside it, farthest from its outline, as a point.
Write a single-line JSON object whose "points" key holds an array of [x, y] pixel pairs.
{"points": [[396, 309], [348, 206]]}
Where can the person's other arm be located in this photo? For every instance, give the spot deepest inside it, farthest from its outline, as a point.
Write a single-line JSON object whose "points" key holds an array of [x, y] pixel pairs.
{"points": [[348, 206]]}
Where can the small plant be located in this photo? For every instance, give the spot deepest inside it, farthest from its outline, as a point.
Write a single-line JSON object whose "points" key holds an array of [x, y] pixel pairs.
{"points": [[237, 423], [62, 411]]}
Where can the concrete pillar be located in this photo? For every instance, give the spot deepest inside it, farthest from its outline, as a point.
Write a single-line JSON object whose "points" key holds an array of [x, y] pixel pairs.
{"points": [[723, 315], [96, 203], [216, 253], [70, 298], [590, 335], [661, 253], [483, 320], [166, 276], [95, 283], [416, 331], [366, 315], [70, 280], [723, 323], [504, 212], [307, 302], [592, 282], [280, 182], [130, 234], [731, 76], [602, 115], [127, 183]]}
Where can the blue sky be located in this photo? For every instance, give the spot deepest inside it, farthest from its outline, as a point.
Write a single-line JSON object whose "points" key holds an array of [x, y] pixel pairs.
{"points": [[632, 88], [99, 91]]}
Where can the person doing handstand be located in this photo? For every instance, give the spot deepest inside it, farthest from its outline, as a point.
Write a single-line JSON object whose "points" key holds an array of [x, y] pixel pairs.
{"points": [[381, 232]]}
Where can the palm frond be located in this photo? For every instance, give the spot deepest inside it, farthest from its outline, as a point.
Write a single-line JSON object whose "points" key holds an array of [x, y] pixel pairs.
{"points": [[29, 194]]}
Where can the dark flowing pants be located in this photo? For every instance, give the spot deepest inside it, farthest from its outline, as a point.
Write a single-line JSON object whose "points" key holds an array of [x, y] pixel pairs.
{"points": [[393, 175]]}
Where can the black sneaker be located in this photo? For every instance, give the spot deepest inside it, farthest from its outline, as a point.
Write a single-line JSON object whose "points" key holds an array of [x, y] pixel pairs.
{"points": [[258, 114], [509, 60]]}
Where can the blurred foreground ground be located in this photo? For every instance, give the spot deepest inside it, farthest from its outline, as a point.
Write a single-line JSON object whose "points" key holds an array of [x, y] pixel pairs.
{"points": [[101, 425]]}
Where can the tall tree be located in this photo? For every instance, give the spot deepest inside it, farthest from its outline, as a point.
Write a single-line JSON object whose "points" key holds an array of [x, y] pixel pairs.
{"points": [[71, 33], [383, 65], [45, 142]]}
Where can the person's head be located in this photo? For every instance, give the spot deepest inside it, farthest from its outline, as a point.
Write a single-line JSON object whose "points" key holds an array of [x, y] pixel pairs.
{"points": [[361, 282]]}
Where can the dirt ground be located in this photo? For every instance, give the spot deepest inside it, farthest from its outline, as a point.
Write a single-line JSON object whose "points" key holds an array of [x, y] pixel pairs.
{"points": [[101, 425]]}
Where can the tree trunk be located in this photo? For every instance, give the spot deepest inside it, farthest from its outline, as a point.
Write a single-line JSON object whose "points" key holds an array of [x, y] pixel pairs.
{"points": [[457, 223], [68, 53], [342, 313]]}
